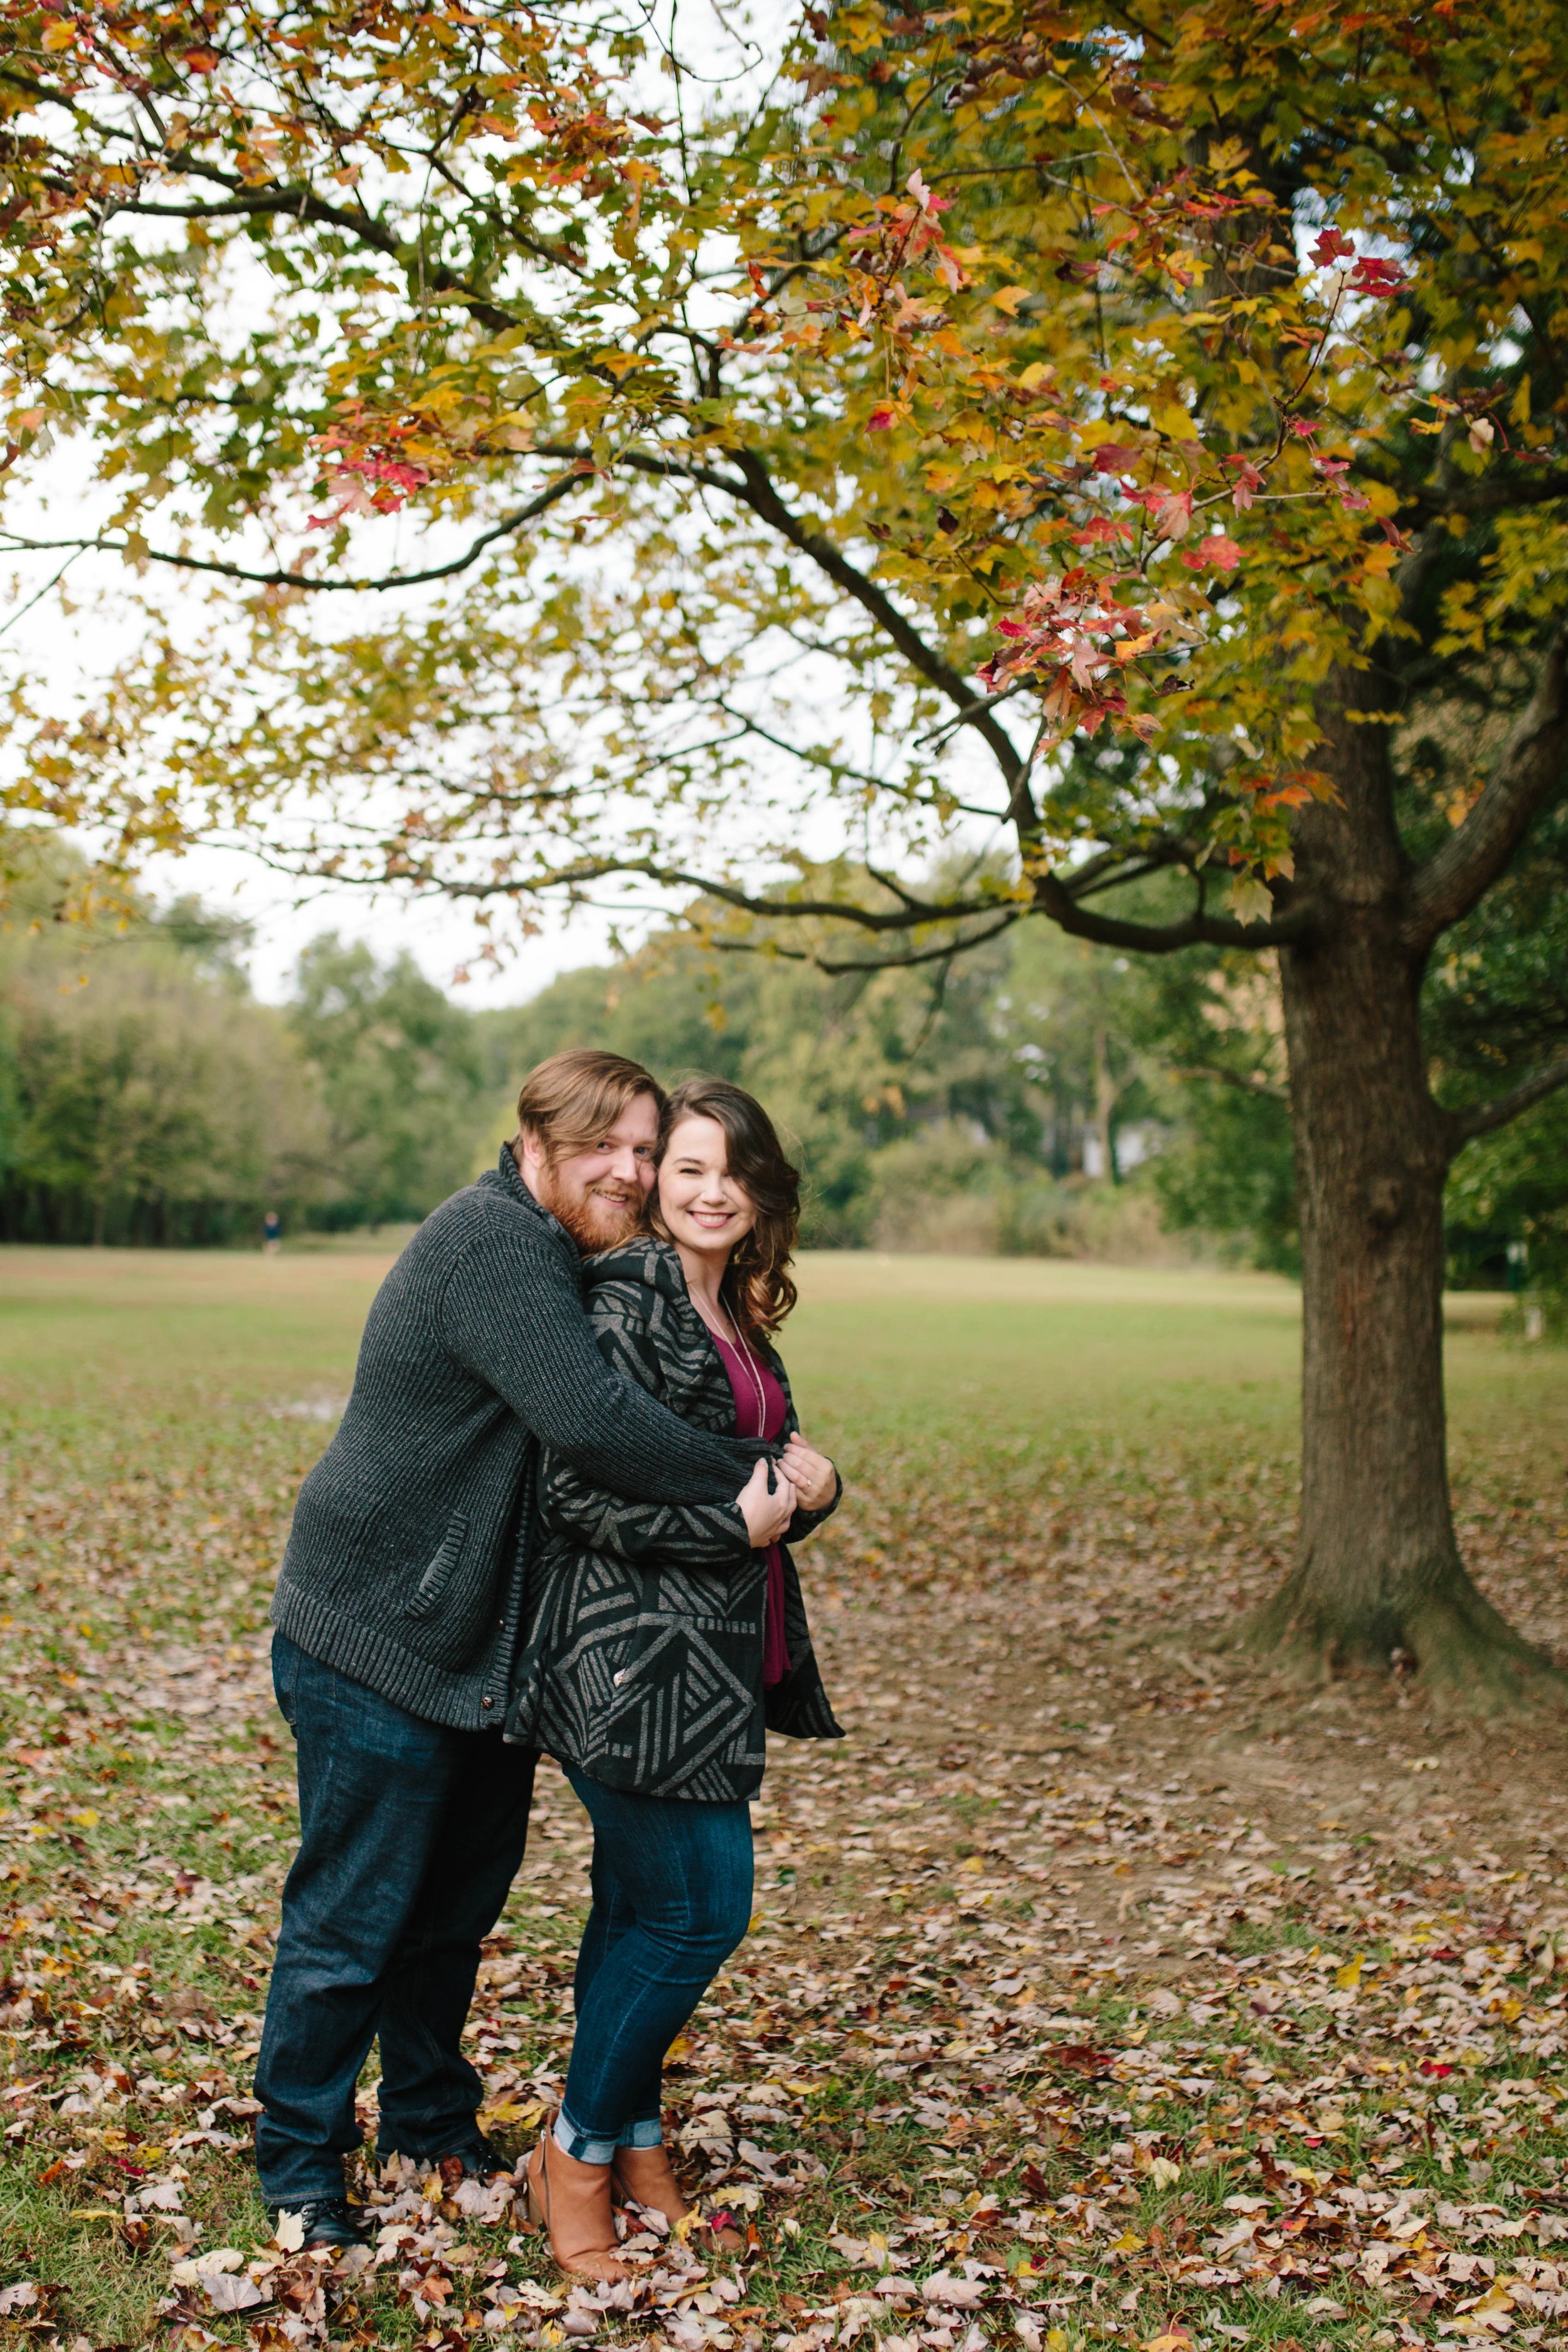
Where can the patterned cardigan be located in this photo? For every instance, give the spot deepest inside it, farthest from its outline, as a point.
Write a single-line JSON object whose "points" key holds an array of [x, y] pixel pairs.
{"points": [[643, 1660]]}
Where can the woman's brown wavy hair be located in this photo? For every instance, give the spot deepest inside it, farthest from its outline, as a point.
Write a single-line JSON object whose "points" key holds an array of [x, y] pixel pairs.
{"points": [[757, 1281]]}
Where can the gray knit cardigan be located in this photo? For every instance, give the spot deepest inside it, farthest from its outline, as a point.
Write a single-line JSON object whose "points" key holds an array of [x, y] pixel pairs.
{"points": [[643, 1665], [406, 1564]]}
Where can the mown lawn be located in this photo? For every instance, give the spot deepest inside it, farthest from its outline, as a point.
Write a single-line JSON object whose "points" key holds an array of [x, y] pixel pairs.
{"points": [[1101, 1988]]}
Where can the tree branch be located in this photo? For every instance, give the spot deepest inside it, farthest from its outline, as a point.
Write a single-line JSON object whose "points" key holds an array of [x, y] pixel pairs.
{"points": [[1054, 897], [913, 916], [874, 963], [1484, 1118], [1246, 1082], [1464, 869], [502, 530]]}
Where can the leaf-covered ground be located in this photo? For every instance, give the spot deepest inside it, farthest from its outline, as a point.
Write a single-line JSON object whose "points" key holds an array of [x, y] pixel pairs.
{"points": [[1100, 1990]]}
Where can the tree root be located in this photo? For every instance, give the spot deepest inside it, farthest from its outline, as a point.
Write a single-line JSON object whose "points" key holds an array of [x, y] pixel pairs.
{"points": [[1446, 1638]]}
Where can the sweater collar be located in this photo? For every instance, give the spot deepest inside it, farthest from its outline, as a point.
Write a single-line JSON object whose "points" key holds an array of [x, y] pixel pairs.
{"points": [[509, 1176]]}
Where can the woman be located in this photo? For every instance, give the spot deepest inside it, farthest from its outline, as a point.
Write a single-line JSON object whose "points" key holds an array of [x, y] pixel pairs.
{"points": [[665, 1641]]}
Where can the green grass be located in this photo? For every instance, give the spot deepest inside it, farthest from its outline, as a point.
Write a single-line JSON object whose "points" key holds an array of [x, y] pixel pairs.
{"points": [[1004, 1354]]}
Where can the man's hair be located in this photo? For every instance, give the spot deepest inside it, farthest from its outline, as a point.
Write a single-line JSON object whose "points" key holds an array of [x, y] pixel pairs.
{"points": [[568, 1102]]}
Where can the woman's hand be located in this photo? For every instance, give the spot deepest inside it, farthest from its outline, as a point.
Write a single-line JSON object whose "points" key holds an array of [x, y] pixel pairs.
{"points": [[812, 1474], [766, 1510]]}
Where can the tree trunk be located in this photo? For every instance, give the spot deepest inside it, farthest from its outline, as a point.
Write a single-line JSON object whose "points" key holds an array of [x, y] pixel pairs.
{"points": [[1379, 1583], [1106, 1094]]}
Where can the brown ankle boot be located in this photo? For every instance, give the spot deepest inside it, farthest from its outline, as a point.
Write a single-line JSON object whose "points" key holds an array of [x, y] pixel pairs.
{"points": [[571, 2203], [644, 2176]]}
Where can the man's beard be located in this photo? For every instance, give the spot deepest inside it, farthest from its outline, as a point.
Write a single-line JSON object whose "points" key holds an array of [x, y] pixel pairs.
{"points": [[595, 1220]]}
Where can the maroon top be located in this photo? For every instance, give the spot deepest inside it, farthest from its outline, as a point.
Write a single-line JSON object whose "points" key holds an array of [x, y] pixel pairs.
{"points": [[760, 1411]]}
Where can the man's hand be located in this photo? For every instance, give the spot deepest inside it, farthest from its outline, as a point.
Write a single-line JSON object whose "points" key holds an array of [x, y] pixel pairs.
{"points": [[766, 1508], [812, 1474]]}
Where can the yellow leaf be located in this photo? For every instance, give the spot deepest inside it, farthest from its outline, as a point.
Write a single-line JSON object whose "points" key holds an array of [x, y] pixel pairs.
{"points": [[511, 2111], [1173, 421], [974, 1861], [86, 1818], [58, 37], [1348, 1978], [1130, 2242], [1008, 300], [1249, 901]]}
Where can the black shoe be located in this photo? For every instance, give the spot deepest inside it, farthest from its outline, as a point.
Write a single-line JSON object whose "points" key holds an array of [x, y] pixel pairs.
{"points": [[477, 2159], [328, 2221]]}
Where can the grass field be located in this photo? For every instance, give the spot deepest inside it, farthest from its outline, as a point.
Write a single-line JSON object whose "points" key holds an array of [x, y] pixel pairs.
{"points": [[1101, 1988]]}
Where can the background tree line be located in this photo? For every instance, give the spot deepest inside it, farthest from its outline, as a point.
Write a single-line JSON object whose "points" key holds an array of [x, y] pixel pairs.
{"points": [[1039, 1094]]}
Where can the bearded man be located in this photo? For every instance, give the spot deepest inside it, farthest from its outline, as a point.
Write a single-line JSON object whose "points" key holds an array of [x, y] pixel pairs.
{"points": [[397, 1617]]}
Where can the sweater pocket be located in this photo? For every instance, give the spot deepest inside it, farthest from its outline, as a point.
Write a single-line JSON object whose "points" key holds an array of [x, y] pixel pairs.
{"points": [[451, 1604], [431, 1589]]}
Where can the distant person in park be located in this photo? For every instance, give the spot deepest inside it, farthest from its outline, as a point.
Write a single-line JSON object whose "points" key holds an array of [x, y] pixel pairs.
{"points": [[399, 1615], [271, 1233], [663, 1647]]}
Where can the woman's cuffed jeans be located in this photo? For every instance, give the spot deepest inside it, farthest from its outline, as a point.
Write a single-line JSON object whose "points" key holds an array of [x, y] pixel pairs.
{"points": [[672, 1898], [410, 1836]]}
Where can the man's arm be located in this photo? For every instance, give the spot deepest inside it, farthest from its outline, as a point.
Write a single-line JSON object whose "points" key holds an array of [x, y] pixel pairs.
{"points": [[512, 1315]]}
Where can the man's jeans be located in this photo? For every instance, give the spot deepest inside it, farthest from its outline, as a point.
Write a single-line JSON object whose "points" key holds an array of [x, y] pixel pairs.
{"points": [[672, 1899], [410, 1836]]}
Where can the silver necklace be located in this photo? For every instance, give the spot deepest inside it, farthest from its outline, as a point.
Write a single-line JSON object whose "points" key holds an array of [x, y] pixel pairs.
{"points": [[738, 1343]]}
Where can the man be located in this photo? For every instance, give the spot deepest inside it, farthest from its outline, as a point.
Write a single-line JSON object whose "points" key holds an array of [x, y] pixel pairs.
{"points": [[397, 1617]]}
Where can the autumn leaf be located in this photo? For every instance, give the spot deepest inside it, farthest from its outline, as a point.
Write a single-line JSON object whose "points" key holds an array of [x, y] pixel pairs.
{"points": [[1216, 551], [1249, 900], [1330, 247]]}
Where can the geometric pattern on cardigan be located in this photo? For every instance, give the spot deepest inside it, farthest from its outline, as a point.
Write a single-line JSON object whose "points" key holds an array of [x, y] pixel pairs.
{"points": [[643, 1665]]}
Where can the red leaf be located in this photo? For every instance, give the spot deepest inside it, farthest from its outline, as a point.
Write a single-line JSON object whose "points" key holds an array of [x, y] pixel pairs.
{"points": [[879, 421], [1217, 551], [202, 60], [1331, 247], [1174, 514], [1249, 482], [1372, 276], [1082, 2057]]}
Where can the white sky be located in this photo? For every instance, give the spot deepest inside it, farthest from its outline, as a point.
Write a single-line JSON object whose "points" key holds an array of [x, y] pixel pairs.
{"points": [[440, 937]]}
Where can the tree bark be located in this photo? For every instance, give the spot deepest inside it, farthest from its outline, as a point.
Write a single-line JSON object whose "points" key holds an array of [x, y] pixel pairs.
{"points": [[1106, 1094], [1379, 1582]]}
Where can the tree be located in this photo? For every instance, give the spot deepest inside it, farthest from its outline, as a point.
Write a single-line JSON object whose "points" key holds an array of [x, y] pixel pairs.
{"points": [[402, 1082], [1148, 425], [146, 1096]]}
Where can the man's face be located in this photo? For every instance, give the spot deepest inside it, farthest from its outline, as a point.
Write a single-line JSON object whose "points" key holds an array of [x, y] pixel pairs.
{"points": [[598, 1194]]}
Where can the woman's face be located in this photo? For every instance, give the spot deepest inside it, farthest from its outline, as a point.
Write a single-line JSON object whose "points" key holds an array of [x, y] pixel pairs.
{"points": [[705, 1208]]}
